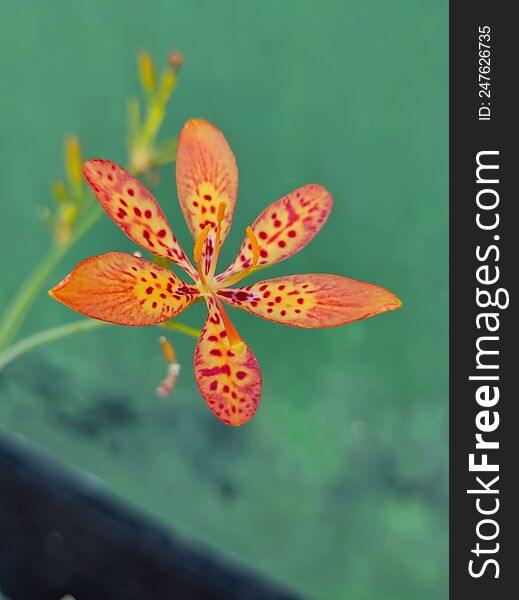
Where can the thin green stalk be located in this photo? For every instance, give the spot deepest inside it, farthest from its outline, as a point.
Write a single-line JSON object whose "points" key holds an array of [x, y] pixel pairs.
{"points": [[93, 215], [49, 335], [61, 331], [181, 328], [16, 312]]}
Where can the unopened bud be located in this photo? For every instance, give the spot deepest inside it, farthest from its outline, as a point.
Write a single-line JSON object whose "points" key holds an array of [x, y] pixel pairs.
{"points": [[147, 72], [62, 232], [176, 60], [73, 160], [59, 191], [167, 85], [68, 213]]}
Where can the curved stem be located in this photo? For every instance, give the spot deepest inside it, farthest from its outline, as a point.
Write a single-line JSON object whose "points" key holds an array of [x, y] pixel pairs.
{"points": [[14, 315], [90, 219], [23, 300], [61, 331], [43, 337]]}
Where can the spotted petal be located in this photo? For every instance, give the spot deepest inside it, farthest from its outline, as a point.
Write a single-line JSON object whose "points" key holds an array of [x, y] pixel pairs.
{"points": [[312, 300], [285, 227], [123, 289], [206, 175], [226, 370], [132, 206]]}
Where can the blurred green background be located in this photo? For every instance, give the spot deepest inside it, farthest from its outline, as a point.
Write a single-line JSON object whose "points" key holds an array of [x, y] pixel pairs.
{"points": [[338, 487]]}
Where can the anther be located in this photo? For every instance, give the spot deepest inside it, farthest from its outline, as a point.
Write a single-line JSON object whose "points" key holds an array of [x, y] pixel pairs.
{"points": [[168, 350], [234, 279], [222, 207], [255, 246], [168, 383]]}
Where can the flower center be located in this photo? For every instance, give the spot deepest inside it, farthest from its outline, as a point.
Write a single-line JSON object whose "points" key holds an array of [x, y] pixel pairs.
{"points": [[207, 284]]}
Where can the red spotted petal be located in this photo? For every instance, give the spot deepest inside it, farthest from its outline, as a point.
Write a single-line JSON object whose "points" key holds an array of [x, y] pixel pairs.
{"points": [[206, 175], [285, 227], [123, 289], [131, 206], [228, 375], [312, 300]]}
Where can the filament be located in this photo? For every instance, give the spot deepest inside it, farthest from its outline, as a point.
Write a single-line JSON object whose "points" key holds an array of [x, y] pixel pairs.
{"points": [[255, 257]]}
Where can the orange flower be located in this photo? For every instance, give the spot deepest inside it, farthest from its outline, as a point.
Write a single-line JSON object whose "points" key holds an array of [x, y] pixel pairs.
{"points": [[124, 289]]}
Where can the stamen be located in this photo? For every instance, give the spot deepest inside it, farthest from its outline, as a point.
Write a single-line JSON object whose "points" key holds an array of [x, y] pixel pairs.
{"points": [[234, 279], [255, 246], [168, 350], [221, 212]]}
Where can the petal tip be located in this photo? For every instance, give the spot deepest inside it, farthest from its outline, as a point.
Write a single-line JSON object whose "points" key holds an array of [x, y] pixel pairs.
{"points": [[196, 122], [89, 169], [394, 301], [198, 126], [320, 190], [89, 164], [237, 423], [54, 292], [391, 302]]}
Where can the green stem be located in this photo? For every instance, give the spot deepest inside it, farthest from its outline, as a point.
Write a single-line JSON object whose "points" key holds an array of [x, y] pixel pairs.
{"points": [[93, 215], [61, 331], [23, 300], [180, 327], [49, 335], [14, 315]]}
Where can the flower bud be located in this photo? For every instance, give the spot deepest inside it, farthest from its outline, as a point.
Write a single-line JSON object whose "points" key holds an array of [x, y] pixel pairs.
{"points": [[176, 59], [73, 160], [147, 72]]}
